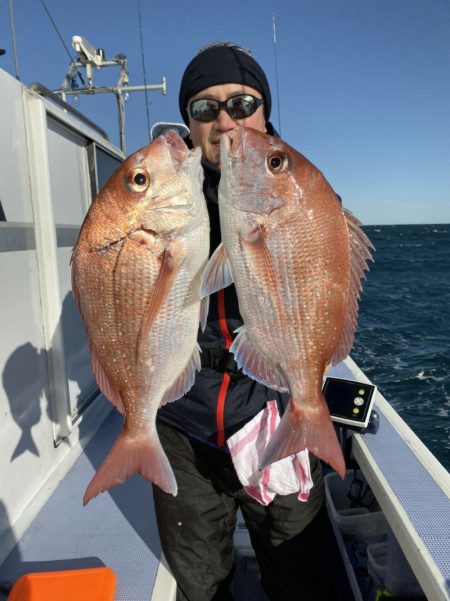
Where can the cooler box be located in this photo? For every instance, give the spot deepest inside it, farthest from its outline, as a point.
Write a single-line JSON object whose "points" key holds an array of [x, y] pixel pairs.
{"points": [[94, 584]]}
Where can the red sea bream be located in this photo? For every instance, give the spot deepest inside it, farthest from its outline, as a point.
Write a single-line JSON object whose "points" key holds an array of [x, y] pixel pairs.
{"points": [[136, 275], [296, 259]]}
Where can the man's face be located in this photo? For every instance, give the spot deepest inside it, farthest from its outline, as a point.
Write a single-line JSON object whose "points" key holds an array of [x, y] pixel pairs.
{"points": [[207, 135]]}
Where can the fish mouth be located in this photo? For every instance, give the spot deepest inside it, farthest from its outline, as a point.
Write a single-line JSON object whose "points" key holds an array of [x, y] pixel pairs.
{"points": [[184, 159], [231, 143], [176, 146], [175, 141], [231, 148], [194, 169]]}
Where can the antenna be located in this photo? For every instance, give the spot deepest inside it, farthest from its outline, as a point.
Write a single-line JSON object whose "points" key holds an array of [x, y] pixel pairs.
{"points": [[13, 33], [89, 57], [276, 70]]}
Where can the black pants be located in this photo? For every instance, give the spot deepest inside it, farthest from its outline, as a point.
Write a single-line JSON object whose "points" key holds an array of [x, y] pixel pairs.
{"points": [[291, 539]]}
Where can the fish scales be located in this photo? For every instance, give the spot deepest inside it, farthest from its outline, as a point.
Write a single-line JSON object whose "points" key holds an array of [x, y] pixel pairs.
{"points": [[136, 274], [296, 259], [305, 271]]}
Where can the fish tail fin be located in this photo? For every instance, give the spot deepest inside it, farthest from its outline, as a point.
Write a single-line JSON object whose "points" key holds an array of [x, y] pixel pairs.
{"points": [[26, 443], [130, 456], [310, 429]]}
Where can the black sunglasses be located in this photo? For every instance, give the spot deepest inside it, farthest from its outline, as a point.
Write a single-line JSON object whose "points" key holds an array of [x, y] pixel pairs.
{"points": [[240, 106]]}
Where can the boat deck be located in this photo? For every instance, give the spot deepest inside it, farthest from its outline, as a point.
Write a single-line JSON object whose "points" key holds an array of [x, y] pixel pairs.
{"points": [[117, 530]]}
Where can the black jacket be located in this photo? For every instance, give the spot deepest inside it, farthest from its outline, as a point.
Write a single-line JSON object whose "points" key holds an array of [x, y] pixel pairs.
{"points": [[222, 399]]}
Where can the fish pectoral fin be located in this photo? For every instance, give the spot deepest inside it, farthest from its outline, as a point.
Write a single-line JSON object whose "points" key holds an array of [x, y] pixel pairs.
{"points": [[254, 245], [360, 254], [256, 365], [217, 273], [130, 456], [301, 429], [110, 391], [204, 309], [185, 380], [156, 300]]}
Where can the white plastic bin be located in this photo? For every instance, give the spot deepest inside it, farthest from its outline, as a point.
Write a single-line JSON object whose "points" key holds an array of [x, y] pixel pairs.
{"points": [[377, 559], [400, 580], [357, 523]]}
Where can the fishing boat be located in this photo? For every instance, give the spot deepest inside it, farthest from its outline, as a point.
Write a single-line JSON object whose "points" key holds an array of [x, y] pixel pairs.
{"points": [[390, 516]]}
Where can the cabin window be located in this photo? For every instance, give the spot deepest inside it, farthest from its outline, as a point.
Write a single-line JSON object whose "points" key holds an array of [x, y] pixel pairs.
{"points": [[102, 165]]}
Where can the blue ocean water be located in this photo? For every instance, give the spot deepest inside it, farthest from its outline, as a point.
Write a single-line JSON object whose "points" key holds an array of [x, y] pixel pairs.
{"points": [[403, 334]]}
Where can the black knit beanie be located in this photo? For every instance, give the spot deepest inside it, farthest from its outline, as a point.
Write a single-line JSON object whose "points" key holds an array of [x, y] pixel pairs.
{"points": [[218, 65]]}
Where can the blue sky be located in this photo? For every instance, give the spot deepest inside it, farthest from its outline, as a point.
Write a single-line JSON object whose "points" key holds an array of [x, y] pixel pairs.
{"points": [[364, 85]]}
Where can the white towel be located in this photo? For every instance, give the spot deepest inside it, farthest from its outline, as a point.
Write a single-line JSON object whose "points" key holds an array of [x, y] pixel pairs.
{"points": [[289, 475]]}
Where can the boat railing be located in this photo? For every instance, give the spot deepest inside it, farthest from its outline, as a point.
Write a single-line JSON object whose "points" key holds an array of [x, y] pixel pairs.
{"points": [[43, 91]]}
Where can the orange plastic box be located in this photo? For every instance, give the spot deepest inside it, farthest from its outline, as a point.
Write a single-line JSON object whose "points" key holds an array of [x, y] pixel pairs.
{"points": [[93, 584]]}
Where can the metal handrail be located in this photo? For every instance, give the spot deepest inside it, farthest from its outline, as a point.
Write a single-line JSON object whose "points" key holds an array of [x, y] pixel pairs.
{"points": [[41, 89]]}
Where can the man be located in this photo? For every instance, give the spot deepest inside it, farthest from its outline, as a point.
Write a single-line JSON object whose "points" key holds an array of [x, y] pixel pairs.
{"points": [[223, 86]]}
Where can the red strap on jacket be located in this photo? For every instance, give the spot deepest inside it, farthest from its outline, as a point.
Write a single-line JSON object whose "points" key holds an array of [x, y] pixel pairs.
{"points": [[226, 378]]}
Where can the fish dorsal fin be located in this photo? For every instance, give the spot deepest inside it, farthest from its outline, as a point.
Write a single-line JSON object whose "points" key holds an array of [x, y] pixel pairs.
{"points": [[204, 309], [185, 380], [360, 254], [110, 392], [156, 300], [256, 365], [217, 273]]}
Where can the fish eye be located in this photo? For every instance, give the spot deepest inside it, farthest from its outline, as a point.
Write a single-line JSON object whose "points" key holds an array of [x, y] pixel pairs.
{"points": [[277, 162], [139, 180]]}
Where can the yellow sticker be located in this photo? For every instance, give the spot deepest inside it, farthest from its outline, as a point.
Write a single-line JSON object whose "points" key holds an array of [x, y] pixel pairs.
{"points": [[382, 594]]}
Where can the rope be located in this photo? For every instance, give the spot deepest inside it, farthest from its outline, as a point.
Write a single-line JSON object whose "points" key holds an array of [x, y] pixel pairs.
{"points": [[276, 70], [61, 38], [13, 34], [144, 70]]}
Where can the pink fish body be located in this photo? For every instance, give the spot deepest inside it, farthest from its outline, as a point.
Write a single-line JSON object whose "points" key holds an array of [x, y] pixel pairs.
{"points": [[135, 277], [296, 259]]}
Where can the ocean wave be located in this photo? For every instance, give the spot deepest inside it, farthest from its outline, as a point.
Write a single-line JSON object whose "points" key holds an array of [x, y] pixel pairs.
{"points": [[403, 337]]}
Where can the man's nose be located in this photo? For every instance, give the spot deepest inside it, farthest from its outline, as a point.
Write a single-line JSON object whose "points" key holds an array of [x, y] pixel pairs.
{"points": [[224, 122]]}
